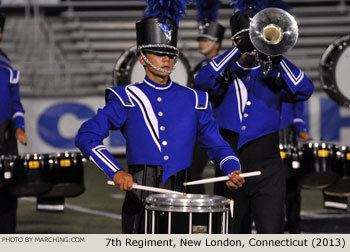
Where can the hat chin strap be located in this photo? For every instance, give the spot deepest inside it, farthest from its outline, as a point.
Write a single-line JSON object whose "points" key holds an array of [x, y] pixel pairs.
{"points": [[157, 68]]}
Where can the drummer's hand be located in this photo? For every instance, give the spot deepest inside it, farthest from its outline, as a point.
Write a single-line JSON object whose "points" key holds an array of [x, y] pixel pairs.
{"points": [[123, 180], [235, 181], [304, 136], [21, 136]]}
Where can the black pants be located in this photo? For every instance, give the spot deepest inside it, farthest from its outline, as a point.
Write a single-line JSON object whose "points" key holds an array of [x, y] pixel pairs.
{"points": [[199, 162], [133, 211], [293, 205], [261, 199], [288, 136], [8, 203]]}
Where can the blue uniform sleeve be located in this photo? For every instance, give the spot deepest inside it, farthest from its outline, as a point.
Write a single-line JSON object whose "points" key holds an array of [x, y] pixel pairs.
{"points": [[16, 105], [208, 78], [92, 133], [299, 86], [298, 121], [217, 148]]}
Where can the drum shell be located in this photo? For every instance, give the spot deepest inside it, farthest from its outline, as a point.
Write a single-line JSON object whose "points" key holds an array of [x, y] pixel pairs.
{"points": [[342, 187], [3, 181], [67, 175], [318, 164], [160, 206], [291, 157], [31, 181]]}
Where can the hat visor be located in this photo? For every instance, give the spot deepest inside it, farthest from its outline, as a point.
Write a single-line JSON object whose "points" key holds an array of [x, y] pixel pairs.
{"points": [[205, 37], [161, 50]]}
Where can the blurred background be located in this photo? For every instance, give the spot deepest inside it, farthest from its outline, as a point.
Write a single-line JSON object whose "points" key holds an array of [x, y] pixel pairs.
{"points": [[67, 51]]}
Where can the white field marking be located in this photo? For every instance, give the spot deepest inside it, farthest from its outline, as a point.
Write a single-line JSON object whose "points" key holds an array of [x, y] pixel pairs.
{"points": [[82, 209], [323, 214], [117, 196]]}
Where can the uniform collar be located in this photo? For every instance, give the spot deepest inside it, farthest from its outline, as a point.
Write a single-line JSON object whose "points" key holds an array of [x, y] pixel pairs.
{"points": [[247, 68], [156, 85]]}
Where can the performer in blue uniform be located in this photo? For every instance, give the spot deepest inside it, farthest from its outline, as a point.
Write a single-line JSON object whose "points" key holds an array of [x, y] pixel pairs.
{"points": [[159, 119], [248, 104], [211, 32], [209, 40], [293, 129], [11, 130]]}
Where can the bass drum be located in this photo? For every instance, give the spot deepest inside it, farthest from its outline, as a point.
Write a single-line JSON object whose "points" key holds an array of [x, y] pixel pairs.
{"points": [[128, 70], [335, 74]]}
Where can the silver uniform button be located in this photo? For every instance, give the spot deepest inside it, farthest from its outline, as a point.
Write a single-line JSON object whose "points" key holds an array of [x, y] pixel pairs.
{"points": [[243, 127], [166, 157], [164, 143], [245, 115], [249, 103], [160, 113], [159, 99], [162, 128], [248, 78]]}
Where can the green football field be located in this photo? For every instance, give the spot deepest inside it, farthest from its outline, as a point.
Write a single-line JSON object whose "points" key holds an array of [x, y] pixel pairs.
{"points": [[98, 210]]}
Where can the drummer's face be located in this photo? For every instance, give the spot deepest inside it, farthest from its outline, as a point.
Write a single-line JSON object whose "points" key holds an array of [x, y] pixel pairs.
{"points": [[163, 61]]}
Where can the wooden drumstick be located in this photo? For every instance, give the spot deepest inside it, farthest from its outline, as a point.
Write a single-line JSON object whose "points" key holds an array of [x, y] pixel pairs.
{"points": [[223, 178], [149, 188]]}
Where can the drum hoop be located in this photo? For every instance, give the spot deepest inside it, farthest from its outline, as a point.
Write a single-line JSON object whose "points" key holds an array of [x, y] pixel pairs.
{"points": [[189, 209], [327, 71]]}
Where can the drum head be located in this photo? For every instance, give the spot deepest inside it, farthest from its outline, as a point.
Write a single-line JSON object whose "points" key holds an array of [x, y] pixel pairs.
{"points": [[335, 74], [128, 70]]}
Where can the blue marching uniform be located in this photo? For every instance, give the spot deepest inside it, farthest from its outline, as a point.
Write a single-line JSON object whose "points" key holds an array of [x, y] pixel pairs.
{"points": [[249, 114], [11, 118], [10, 104], [292, 114], [160, 124]]}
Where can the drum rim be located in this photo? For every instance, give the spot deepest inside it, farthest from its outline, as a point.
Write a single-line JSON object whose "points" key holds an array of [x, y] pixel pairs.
{"points": [[189, 209], [187, 201]]}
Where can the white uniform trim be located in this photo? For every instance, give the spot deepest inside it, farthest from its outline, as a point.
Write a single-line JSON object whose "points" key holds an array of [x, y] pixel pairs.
{"points": [[13, 79], [242, 96], [149, 116], [17, 114], [229, 158], [196, 98], [158, 88], [121, 100], [109, 163], [219, 65], [295, 79], [248, 68], [296, 120]]}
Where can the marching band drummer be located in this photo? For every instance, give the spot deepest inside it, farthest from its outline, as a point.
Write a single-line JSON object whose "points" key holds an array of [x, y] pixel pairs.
{"points": [[249, 119], [160, 120], [11, 130]]}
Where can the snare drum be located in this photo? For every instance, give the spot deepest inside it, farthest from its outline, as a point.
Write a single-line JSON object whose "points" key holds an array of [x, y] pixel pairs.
{"points": [[32, 175], [334, 69], [342, 187], [128, 70], [318, 164], [172, 213], [67, 174]]}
